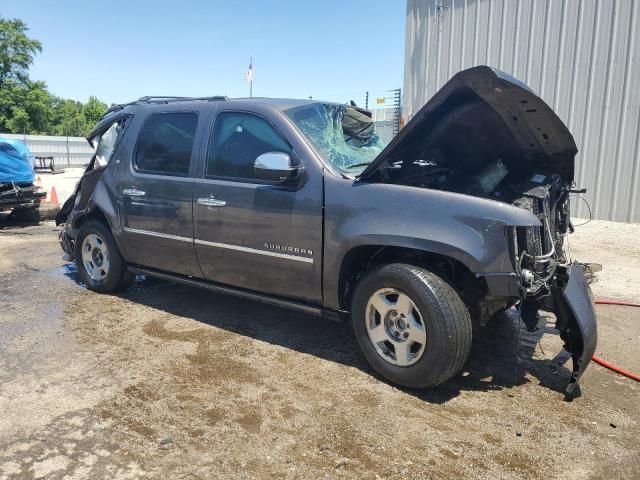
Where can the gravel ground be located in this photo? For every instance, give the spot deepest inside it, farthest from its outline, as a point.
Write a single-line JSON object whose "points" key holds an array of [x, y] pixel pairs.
{"points": [[616, 247], [166, 381]]}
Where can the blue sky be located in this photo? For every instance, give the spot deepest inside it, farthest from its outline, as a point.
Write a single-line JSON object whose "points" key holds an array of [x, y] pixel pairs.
{"points": [[121, 50]]}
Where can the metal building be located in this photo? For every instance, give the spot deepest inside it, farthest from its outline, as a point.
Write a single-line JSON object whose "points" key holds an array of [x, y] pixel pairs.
{"points": [[580, 56]]}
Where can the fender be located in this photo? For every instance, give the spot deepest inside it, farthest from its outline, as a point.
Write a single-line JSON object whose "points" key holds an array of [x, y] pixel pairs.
{"points": [[100, 199], [470, 230], [104, 201]]}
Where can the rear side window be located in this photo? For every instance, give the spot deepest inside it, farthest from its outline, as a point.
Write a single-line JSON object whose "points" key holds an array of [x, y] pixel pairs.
{"points": [[106, 142], [237, 140], [165, 144]]}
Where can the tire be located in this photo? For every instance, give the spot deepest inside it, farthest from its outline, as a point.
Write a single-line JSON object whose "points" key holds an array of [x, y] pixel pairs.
{"points": [[446, 325], [98, 244]]}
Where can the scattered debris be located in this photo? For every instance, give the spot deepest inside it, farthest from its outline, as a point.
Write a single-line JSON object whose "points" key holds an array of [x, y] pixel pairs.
{"points": [[166, 442]]}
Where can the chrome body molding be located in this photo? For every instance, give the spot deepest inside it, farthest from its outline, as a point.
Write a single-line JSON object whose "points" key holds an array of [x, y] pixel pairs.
{"points": [[239, 248], [158, 234], [297, 258]]}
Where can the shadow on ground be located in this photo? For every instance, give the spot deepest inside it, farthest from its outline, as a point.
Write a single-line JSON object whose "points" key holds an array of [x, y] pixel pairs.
{"points": [[501, 354]]}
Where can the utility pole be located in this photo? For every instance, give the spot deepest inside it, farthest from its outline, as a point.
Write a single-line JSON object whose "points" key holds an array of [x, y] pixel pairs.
{"points": [[68, 156]]}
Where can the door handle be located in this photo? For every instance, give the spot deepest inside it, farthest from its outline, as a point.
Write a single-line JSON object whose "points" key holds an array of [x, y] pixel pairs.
{"points": [[133, 192], [211, 202]]}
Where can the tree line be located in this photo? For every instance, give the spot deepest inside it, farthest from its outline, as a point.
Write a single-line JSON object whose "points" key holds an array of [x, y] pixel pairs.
{"points": [[27, 106]]}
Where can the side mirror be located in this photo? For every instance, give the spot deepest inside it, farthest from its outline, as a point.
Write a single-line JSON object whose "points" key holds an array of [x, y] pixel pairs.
{"points": [[276, 167]]}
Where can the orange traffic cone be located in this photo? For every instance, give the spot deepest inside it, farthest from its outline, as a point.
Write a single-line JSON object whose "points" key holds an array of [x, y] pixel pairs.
{"points": [[54, 196], [39, 185]]}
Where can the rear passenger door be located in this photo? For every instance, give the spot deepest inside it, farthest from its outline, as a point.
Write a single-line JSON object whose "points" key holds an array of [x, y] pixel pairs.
{"points": [[251, 233], [155, 191]]}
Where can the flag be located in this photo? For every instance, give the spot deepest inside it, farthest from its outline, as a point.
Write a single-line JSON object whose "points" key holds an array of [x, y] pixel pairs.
{"points": [[249, 76]]}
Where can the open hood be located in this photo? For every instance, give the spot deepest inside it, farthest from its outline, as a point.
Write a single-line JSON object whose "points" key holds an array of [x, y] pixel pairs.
{"points": [[483, 115]]}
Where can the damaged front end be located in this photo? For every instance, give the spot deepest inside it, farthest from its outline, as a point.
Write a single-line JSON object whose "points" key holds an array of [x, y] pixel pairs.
{"points": [[551, 282], [20, 195], [17, 190], [486, 134]]}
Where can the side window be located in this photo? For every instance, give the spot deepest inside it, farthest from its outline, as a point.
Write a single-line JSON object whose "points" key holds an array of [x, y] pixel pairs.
{"points": [[237, 140], [107, 141], [165, 144]]}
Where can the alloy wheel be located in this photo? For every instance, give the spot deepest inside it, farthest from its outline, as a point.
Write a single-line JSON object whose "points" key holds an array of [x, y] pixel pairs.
{"points": [[95, 257], [396, 327]]}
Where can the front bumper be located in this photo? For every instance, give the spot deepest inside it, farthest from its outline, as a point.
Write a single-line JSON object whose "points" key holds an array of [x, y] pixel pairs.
{"points": [[569, 297], [19, 196], [67, 242], [576, 320]]}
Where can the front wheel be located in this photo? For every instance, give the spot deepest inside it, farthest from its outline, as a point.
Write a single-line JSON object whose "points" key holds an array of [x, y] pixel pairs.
{"points": [[98, 260], [412, 326]]}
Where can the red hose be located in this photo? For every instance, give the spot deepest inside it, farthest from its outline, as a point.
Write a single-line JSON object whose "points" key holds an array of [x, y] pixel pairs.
{"points": [[607, 301], [616, 369], [604, 363]]}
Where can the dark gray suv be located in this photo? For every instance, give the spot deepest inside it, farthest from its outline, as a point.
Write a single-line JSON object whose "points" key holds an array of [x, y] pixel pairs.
{"points": [[299, 203]]}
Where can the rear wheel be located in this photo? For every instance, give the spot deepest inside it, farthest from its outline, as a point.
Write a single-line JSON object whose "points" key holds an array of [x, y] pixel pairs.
{"points": [[412, 326], [98, 260]]}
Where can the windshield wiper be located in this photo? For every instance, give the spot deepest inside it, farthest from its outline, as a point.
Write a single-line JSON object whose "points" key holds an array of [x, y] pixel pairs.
{"points": [[356, 165]]}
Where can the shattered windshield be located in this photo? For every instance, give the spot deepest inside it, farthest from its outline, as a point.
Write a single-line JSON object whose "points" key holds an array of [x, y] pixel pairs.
{"points": [[342, 135]]}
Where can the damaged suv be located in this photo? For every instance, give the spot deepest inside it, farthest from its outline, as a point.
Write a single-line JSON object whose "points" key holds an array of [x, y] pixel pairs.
{"points": [[299, 203]]}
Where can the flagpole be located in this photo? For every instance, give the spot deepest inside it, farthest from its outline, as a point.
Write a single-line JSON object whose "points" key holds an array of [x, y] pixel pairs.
{"points": [[251, 81]]}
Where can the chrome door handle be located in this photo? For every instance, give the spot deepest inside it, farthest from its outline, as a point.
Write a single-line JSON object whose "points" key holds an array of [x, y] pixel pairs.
{"points": [[211, 202], [133, 192]]}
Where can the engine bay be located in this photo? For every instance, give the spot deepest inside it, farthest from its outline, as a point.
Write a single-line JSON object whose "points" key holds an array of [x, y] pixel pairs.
{"points": [[538, 250]]}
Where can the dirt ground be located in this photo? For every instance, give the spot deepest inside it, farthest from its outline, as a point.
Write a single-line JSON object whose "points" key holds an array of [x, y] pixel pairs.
{"points": [[167, 381]]}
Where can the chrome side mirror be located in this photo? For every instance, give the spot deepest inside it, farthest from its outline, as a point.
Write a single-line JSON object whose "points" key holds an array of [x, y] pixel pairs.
{"points": [[275, 167]]}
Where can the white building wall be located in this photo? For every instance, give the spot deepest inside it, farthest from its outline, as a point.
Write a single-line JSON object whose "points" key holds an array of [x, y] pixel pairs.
{"points": [[580, 56]]}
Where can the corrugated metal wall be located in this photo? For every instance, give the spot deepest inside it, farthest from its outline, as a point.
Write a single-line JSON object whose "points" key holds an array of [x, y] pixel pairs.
{"points": [[66, 151], [580, 56]]}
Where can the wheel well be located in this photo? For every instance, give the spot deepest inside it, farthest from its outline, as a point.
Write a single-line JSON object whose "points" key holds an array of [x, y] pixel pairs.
{"points": [[95, 214], [361, 259]]}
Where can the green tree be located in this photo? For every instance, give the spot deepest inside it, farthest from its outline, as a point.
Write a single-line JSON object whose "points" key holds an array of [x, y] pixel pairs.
{"points": [[38, 103], [93, 110], [69, 118], [16, 51], [27, 106], [19, 121], [31, 98]]}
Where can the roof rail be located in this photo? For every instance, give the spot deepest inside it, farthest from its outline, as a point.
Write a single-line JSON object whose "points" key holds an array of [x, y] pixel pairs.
{"points": [[149, 98], [167, 99], [163, 99]]}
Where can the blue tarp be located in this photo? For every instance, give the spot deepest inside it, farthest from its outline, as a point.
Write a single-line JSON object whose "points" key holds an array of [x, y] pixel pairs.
{"points": [[15, 164]]}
